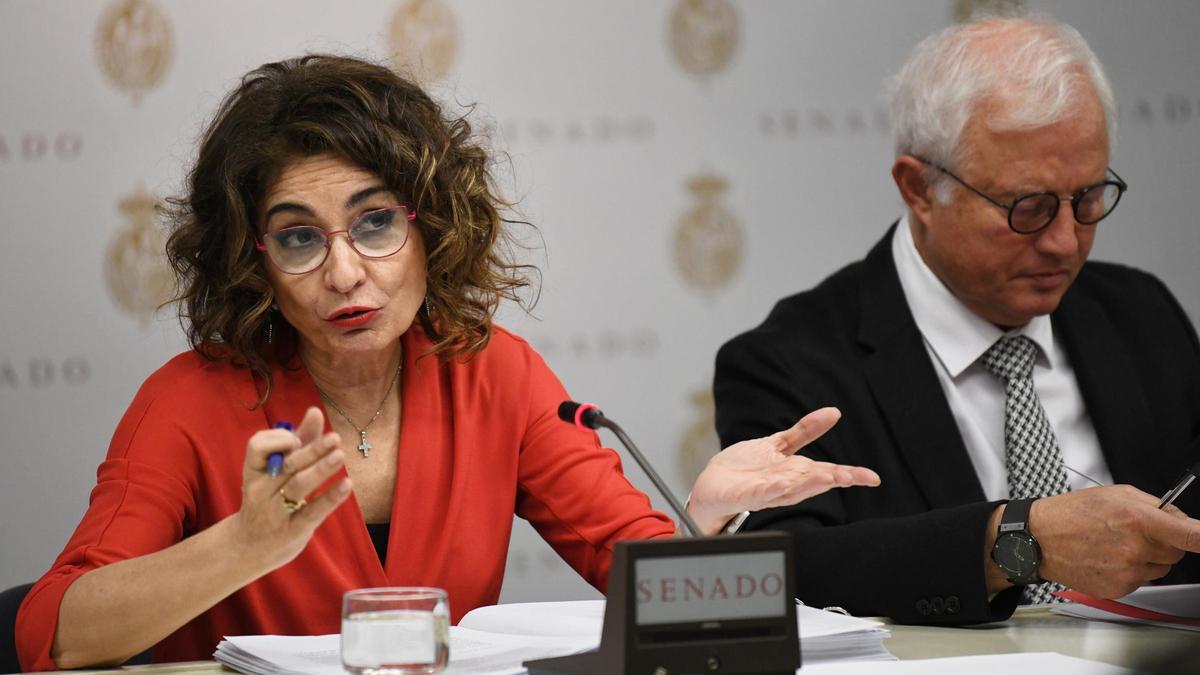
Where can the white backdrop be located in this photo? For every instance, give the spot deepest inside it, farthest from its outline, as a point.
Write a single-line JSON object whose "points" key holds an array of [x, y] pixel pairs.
{"points": [[686, 163]]}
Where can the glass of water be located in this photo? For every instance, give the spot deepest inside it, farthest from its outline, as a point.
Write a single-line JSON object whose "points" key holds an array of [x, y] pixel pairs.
{"points": [[395, 631]]}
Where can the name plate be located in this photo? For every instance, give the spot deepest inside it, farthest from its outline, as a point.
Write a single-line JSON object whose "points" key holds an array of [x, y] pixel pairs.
{"points": [[708, 588], [710, 605]]}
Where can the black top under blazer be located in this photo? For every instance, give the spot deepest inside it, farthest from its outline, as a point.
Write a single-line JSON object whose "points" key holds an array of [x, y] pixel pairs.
{"points": [[913, 548]]}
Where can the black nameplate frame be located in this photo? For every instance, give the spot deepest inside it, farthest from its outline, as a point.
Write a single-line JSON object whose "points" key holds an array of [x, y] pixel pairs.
{"points": [[721, 605]]}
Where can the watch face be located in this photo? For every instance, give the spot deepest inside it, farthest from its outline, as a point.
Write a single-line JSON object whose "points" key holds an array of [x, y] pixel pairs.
{"points": [[1018, 555]]}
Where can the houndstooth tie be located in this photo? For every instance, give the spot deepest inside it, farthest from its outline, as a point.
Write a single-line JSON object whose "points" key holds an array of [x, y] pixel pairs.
{"points": [[1034, 462]]}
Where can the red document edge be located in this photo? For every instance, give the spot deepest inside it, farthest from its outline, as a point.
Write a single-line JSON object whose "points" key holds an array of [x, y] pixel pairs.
{"points": [[1125, 610]]}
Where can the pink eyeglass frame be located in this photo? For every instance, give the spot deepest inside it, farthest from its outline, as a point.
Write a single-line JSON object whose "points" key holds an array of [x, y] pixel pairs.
{"points": [[410, 216]]}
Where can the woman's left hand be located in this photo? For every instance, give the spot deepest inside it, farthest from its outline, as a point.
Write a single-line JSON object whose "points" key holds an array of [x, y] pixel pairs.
{"points": [[765, 472]]}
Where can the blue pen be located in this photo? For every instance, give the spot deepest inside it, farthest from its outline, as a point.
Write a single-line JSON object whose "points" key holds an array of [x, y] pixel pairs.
{"points": [[275, 460]]}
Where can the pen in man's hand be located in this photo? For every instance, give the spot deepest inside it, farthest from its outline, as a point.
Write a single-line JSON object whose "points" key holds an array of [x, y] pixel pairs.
{"points": [[275, 460], [1188, 477]]}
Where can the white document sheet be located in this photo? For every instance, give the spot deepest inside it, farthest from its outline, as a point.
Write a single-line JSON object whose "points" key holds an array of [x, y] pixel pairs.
{"points": [[473, 651], [1178, 600], [575, 618], [824, 636], [1175, 606]]}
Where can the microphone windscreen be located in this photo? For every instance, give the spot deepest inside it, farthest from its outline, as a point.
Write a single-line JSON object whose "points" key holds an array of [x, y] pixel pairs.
{"points": [[566, 411], [582, 415]]}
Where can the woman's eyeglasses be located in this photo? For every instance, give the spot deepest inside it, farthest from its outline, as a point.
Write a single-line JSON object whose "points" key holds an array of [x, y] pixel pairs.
{"points": [[303, 248]]}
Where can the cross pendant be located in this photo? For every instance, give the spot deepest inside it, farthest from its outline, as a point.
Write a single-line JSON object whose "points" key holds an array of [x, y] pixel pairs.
{"points": [[364, 447]]}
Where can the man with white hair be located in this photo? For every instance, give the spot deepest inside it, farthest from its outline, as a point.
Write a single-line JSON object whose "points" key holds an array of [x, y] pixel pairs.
{"points": [[1022, 406]]}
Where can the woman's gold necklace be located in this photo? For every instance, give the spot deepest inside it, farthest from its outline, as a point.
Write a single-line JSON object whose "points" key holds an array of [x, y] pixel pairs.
{"points": [[363, 446]]}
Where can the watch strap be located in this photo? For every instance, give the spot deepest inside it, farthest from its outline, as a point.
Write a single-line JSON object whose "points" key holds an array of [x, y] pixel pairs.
{"points": [[1016, 516]]}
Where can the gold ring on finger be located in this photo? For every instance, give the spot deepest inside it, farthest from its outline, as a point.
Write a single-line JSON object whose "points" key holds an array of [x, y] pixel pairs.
{"points": [[290, 505]]}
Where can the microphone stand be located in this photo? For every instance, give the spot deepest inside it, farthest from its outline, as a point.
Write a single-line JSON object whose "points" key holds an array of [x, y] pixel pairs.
{"points": [[601, 421]]}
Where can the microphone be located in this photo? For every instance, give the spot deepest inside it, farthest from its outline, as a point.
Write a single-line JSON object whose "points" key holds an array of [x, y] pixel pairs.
{"points": [[588, 416]]}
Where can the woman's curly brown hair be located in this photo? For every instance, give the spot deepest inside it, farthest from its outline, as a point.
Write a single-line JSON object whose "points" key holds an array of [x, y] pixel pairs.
{"points": [[372, 117]]}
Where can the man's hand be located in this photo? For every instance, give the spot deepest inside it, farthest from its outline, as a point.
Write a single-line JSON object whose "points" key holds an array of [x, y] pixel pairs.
{"points": [[766, 472], [1108, 541]]}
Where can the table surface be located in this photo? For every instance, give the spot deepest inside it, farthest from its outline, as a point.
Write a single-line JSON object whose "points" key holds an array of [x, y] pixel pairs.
{"points": [[1031, 629], [1037, 629]]}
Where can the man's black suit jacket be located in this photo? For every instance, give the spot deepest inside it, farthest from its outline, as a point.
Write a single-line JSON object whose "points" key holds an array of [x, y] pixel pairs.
{"points": [[913, 548]]}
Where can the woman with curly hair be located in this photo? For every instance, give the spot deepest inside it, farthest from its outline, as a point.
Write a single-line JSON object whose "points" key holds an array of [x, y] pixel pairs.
{"points": [[340, 257]]}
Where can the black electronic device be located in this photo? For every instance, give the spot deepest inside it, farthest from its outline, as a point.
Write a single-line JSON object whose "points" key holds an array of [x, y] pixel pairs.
{"points": [[722, 605], [692, 607], [1016, 551]]}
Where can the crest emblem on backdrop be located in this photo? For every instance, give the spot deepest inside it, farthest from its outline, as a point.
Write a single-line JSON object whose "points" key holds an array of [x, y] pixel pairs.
{"points": [[703, 35], [135, 265], [134, 46], [708, 238], [423, 40], [964, 10], [699, 442]]}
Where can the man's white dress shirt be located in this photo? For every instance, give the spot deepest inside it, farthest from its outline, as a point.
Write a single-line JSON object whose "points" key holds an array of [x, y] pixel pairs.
{"points": [[956, 338]]}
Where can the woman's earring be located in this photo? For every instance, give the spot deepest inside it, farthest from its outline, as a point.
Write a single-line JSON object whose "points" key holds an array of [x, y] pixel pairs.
{"points": [[428, 307], [271, 323]]}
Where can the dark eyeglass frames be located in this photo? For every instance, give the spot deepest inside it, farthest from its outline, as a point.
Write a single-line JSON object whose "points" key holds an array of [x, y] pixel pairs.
{"points": [[304, 248], [1031, 213]]}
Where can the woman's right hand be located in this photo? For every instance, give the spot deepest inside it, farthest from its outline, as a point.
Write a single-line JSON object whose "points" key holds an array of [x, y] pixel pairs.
{"points": [[158, 592], [264, 526]]}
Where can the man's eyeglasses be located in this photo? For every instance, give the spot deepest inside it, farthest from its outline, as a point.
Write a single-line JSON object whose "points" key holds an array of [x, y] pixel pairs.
{"points": [[1033, 212], [303, 248]]}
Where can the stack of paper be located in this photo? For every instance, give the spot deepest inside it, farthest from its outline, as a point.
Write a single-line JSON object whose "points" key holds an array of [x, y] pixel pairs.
{"points": [[498, 639], [470, 652], [824, 636], [273, 654], [1170, 606]]}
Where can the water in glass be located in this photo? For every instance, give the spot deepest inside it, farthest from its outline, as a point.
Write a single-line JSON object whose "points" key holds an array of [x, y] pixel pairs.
{"points": [[394, 633]]}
